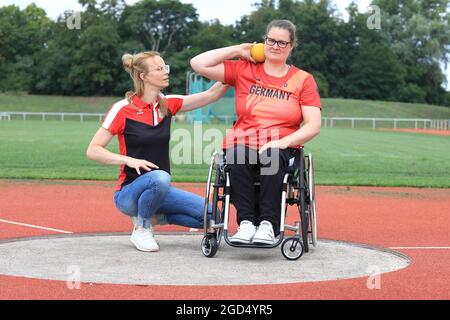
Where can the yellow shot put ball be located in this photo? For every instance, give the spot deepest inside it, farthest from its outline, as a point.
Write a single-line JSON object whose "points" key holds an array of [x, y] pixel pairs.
{"points": [[257, 52]]}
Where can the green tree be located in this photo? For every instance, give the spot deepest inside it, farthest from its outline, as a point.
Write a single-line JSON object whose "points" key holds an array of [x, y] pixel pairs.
{"points": [[95, 69], [375, 73], [375, 70], [251, 28], [84, 61], [161, 25], [55, 61], [322, 44], [22, 35], [212, 35], [166, 26], [419, 33]]}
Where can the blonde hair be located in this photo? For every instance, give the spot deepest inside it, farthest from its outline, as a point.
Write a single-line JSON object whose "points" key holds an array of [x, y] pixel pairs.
{"points": [[135, 64]]}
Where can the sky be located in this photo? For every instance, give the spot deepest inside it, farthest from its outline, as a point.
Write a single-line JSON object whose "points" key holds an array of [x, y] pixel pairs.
{"points": [[227, 11]]}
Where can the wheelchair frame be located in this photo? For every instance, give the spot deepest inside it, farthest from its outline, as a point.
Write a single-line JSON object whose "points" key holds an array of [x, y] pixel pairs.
{"points": [[298, 189]]}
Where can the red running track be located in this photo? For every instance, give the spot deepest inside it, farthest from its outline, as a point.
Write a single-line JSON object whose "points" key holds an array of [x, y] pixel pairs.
{"points": [[417, 220], [423, 131]]}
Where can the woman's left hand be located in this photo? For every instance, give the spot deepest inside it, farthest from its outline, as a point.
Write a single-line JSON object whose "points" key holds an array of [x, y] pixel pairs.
{"points": [[274, 144]]}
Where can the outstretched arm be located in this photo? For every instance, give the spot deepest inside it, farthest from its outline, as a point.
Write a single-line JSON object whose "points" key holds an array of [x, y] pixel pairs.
{"points": [[198, 100], [210, 63]]}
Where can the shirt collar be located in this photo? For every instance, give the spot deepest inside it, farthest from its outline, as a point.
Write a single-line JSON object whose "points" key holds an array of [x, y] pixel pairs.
{"points": [[141, 104]]}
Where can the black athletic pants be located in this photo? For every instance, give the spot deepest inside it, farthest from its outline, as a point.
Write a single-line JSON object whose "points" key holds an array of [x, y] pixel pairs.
{"points": [[245, 165]]}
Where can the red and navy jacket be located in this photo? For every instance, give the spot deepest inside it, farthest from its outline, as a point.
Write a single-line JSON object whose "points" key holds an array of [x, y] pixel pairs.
{"points": [[142, 133]]}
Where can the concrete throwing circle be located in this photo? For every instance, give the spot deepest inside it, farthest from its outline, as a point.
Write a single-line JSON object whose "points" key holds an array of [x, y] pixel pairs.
{"points": [[113, 259]]}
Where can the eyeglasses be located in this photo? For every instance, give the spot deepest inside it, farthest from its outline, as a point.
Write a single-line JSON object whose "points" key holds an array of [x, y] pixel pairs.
{"points": [[271, 42], [166, 68]]}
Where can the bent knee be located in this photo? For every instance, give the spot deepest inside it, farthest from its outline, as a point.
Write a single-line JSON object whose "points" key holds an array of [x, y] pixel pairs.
{"points": [[159, 178]]}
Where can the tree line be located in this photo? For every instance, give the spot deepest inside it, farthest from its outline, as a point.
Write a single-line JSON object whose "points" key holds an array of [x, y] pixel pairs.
{"points": [[398, 61]]}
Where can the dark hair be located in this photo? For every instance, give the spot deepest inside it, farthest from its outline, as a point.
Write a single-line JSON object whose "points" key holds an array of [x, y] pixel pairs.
{"points": [[286, 25]]}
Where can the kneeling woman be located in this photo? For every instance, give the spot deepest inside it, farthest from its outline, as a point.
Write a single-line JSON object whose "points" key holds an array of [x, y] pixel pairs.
{"points": [[142, 124]]}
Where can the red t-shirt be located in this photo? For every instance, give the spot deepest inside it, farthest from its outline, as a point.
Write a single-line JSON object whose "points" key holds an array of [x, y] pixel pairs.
{"points": [[142, 132], [268, 108]]}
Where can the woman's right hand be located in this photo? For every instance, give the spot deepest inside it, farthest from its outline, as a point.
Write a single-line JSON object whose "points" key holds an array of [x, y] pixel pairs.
{"points": [[139, 163], [245, 51]]}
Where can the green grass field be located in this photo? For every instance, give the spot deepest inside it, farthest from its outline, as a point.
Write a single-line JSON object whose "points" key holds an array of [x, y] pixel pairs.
{"points": [[332, 107], [56, 150], [42, 103]]}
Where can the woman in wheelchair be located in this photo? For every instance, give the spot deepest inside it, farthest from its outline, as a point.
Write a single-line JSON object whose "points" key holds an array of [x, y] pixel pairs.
{"points": [[278, 109]]}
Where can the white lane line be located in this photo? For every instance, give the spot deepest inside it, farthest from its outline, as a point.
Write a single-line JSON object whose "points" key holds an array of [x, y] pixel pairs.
{"points": [[33, 226], [418, 248]]}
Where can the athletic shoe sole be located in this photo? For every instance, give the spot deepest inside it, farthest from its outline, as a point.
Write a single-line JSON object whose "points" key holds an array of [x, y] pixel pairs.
{"points": [[240, 241], [142, 249], [263, 241]]}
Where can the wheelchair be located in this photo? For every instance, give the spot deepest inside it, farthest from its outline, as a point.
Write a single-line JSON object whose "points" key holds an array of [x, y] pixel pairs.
{"points": [[298, 189]]}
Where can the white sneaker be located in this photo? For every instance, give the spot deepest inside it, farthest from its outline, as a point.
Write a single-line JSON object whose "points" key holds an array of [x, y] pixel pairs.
{"points": [[264, 234], [245, 233], [143, 239]]}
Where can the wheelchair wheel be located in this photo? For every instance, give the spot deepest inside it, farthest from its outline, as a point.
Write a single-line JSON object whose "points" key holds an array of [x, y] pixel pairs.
{"points": [[209, 245], [292, 248], [218, 212], [303, 208], [312, 201], [212, 197], [209, 186]]}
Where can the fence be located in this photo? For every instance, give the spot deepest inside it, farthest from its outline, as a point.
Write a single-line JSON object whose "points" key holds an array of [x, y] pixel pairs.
{"points": [[5, 116], [62, 116], [327, 122], [381, 123]]}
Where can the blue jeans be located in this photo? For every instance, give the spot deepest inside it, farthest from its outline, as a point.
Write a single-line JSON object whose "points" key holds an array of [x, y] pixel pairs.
{"points": [[152, 194]]}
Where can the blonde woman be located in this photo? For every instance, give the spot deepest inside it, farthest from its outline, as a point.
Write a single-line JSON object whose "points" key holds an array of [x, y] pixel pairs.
{"points": [[142, 123]]}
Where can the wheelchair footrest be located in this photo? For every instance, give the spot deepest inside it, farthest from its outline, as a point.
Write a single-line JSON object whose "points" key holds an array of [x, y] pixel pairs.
{"points": [[262, 246], [290, 228]]}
